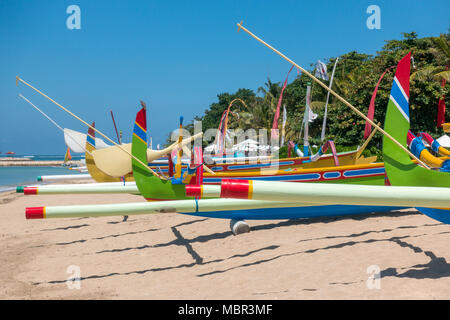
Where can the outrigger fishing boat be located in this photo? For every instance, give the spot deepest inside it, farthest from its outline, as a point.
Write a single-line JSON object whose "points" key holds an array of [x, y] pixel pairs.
{"points": [[315, 203], [371, 174]]}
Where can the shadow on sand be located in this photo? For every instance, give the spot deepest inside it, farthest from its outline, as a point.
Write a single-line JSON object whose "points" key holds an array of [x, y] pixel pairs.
{"points": [[436, 268]]}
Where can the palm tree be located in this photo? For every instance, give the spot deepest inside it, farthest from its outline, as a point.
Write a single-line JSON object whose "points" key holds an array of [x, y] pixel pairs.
{"points": [[269, 103], [441, 52]]}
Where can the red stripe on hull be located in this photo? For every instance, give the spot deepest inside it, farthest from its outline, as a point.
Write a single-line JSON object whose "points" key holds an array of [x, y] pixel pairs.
{"points": [[91, 131], [141, 119], [403, 71]]}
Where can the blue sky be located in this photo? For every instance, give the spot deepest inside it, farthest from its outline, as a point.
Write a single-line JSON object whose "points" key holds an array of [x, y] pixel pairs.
{"points": [[175, 55]]}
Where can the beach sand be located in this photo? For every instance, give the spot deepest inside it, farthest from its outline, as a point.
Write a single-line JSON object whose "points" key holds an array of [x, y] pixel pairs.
{"points": [[175, 256]]}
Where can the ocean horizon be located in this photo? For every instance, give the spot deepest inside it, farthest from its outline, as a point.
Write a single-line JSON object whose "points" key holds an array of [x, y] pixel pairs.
{"points": [[42, 157], [11, 177]]}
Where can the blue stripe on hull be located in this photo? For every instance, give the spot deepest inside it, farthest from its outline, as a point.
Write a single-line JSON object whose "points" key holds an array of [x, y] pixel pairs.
{"points": [[293, 212], [401, 100], [440, 215], [363, 172], [331, 175], [90, 140], [139, 132]]}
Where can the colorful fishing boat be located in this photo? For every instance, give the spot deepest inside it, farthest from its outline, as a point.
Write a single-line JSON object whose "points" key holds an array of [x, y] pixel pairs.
{"points": [[114, 163], [235, 165], [426, 188], [400, 170], [155, 189], [95, 173], [67, 156]]}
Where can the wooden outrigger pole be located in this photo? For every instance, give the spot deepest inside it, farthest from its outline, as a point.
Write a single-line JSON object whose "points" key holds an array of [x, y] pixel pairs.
{"points": [[240, 26], [91, 127]]}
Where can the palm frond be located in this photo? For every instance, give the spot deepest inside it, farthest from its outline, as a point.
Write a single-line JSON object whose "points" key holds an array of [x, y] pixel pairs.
{"points": [[442, 44], [444, 75]]}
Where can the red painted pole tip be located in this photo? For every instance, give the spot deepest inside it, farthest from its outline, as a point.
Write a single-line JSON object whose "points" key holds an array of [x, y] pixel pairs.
{"points": [[193, 190], [35, 213], [30, 190], [233, 188]]}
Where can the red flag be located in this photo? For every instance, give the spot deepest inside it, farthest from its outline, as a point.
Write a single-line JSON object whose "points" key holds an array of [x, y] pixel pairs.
{"points": [[441, 107], [371, 111], [277, 113]]}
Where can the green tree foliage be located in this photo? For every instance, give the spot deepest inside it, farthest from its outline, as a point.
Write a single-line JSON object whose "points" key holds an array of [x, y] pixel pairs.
{"points": [[355, 79]]}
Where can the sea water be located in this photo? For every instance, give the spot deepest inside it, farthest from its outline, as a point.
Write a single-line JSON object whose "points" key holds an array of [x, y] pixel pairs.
{"points": [[11, 177]]}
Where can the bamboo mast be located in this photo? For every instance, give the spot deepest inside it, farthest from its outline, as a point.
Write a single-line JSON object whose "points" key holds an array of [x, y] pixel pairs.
{"points": [[115, 127], [240, 26]]}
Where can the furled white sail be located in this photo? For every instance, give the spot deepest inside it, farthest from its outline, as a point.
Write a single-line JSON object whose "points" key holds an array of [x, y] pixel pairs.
{"points": [[76, 141]]}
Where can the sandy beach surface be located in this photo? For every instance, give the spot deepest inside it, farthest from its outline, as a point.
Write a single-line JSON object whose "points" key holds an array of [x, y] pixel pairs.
{"points": [[175, 256]]}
